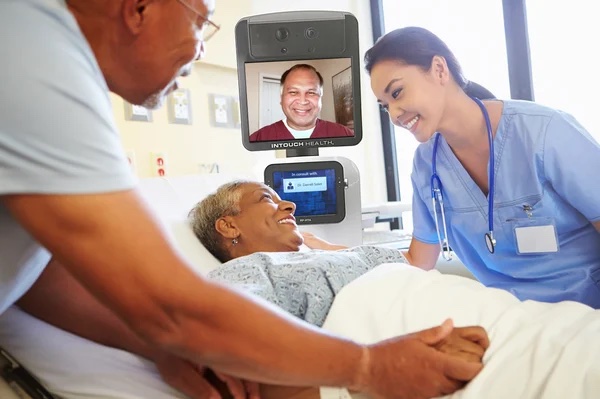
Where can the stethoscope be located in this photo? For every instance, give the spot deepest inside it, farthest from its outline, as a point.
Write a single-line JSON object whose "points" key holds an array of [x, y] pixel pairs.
{"points": [[437, 197]]}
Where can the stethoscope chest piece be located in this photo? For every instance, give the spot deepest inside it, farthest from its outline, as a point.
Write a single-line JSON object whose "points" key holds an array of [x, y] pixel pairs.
{"points": [[490, 242]]}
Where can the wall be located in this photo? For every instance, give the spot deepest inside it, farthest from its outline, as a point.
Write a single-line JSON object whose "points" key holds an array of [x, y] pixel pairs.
{"points": [[190, 148]]}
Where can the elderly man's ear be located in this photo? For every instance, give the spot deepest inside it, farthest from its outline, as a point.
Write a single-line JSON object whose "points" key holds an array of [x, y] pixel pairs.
{"points": [[226, 227], [134, 14]]}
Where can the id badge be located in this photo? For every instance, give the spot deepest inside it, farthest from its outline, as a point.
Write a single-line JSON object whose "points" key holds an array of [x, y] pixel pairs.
{"points": [[535, 235]]}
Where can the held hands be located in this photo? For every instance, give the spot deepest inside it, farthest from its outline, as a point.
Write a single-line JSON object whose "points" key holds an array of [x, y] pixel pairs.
{"points": [[200, 383], [426, 364], [468, 343], [314, 242]]}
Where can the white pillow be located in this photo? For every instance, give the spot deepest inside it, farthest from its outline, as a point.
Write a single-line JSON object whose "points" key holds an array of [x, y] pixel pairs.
{"points": [[191, 248]]}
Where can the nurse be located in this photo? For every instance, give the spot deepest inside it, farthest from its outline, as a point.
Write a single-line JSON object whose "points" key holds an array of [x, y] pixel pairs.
{"points": [[511, 187]]}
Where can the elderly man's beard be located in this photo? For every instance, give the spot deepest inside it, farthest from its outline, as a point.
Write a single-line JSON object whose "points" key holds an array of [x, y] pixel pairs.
{"points": [[156, 100]]}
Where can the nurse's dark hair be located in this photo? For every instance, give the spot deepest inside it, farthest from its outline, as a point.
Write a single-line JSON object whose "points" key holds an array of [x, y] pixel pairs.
{"points": [[417, 46]]}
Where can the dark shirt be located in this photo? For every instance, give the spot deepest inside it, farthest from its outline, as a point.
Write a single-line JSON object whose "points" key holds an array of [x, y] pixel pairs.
{"points": [[278, 131]]}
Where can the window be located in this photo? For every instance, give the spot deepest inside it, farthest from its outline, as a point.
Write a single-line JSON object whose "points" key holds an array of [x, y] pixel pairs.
{"points": [[564, 58]]}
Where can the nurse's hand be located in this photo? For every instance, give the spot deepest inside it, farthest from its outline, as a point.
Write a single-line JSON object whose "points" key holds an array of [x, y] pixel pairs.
{"points": [[412, 366], [469, 343]]}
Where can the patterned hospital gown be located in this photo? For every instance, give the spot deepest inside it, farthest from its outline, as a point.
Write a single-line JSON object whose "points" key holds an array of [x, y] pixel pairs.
{"points": [[303, 283]]}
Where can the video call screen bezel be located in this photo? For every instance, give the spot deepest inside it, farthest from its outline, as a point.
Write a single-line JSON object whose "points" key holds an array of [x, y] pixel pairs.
{"points": [[257, 42], [300, 167]]}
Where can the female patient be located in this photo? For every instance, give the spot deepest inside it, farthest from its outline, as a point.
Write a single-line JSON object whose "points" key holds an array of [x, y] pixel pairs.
{"points": [[253, 232]]}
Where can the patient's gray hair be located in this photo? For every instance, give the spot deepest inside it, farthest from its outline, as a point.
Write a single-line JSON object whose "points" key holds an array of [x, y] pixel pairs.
{"points": [[203, 216]]}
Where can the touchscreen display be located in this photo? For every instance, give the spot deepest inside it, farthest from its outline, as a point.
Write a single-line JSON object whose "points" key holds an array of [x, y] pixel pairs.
{"points": [[313, 191], [317, 189]]}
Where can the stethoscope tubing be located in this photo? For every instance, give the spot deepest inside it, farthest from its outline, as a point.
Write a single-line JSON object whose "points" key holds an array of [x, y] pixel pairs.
{"points": [[436, 183]]}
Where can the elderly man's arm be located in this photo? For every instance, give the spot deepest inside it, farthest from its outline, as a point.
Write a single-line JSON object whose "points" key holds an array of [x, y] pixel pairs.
{"points": [[112, 245]]}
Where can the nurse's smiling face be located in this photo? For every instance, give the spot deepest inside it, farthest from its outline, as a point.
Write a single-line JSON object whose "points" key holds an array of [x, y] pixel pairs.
{"points": [[413, 97]]}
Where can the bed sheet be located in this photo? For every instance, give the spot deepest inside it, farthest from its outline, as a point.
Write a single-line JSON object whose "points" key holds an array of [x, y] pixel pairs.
{"points": [[76, 368], [537, 350]]}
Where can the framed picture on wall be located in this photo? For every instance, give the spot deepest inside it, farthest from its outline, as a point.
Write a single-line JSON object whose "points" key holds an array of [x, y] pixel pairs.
{"points": [[343, 101], [220, 111]]}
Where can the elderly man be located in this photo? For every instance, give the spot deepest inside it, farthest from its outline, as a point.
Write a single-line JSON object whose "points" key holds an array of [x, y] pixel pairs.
{"points": [[66, 190], [301, 103]]}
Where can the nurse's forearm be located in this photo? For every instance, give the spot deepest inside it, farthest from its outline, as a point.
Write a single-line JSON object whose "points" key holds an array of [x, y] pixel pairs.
{"points": [[422, 255]]}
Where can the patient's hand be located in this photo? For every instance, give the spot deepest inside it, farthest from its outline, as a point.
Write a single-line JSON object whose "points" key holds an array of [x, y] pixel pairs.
{"points": [[314, 242], [468, 343]]}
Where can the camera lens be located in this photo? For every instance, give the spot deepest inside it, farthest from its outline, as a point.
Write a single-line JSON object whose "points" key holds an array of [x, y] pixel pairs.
{"points": [[311, 33], [282, 34]]}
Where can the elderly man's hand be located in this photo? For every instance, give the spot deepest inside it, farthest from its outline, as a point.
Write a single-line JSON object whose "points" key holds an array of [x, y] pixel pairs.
{"points": [[198, 383], [413, 367]]}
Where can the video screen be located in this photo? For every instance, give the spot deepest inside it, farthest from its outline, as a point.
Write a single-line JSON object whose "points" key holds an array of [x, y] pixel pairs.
{"points": [[314, 100], [316, 188], [299, 81]]}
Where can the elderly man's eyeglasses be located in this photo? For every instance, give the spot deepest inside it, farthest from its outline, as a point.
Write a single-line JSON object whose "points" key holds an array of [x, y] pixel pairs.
{"points": [[208, 28]]}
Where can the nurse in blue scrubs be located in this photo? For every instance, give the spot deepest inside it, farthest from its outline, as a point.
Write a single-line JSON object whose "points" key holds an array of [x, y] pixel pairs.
{"points": [[510, 187]]}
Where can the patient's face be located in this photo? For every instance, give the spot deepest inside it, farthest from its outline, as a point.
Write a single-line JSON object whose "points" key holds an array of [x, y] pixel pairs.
{"points": [[265, 222]]}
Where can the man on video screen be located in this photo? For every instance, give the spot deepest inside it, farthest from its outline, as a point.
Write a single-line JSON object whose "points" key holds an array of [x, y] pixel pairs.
{"points": [[301, 102]]}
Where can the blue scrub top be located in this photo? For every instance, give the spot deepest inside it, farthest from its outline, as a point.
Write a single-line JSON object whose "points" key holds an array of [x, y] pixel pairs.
{"points": [[544, 159]]}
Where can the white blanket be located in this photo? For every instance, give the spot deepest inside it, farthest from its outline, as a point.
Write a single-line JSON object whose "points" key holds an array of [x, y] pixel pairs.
{"points": [[537, 350], [549, 351]]}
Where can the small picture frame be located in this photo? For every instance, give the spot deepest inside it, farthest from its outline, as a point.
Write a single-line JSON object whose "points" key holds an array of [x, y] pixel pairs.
{"points": [[220, 110], [179, 107], [137, 113], [343, 100]]}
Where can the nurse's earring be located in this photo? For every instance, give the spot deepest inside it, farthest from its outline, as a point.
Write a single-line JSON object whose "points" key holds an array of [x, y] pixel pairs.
{"points": [[235, 241]]}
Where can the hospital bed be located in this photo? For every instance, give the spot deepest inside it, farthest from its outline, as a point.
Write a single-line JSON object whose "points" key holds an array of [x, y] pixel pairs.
{"points": [[170, 199]]}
